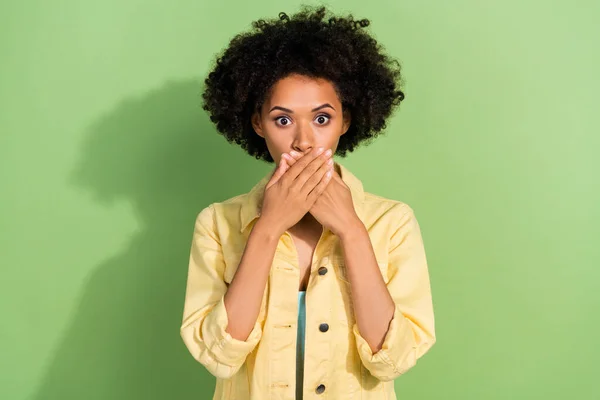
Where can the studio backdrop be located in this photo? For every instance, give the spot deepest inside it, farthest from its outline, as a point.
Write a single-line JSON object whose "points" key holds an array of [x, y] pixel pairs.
{"points": [[106, 157]]}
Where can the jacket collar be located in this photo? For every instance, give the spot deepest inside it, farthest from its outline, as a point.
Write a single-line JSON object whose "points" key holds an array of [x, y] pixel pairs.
{"points": [[250, 209]]}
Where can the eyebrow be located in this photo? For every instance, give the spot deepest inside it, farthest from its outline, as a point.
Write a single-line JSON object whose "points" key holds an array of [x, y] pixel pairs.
{"points": [[313, 110]]}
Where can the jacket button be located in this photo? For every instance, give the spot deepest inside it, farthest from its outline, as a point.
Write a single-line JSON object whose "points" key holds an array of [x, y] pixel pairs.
{"points": [[320, 389], [322, 271], [323, 327]]}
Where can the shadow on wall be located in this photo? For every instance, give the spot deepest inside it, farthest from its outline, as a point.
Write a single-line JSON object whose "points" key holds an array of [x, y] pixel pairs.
{"points": [[160, 152]]}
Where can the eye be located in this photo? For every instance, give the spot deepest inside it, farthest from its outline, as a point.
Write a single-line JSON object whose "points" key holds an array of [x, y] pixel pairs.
{"points": [[321, 117], [283, 118]]}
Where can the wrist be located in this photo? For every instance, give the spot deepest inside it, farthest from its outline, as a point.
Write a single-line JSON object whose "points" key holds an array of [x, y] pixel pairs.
{"points": [[267, 229], [352, 230]]}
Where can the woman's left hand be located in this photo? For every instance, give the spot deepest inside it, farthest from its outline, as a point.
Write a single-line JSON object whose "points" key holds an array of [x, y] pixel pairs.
{"points": [[334, 208]]}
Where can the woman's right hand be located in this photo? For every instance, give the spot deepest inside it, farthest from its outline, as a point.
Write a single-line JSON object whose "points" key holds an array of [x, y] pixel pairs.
{"points": [[292, 191]]}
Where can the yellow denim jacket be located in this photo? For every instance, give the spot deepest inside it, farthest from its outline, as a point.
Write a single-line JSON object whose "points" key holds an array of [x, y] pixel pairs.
{"points": [[339, 363]]}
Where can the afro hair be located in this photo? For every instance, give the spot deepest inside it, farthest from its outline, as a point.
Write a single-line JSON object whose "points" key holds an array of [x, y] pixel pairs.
{"points": [[312, 44]]}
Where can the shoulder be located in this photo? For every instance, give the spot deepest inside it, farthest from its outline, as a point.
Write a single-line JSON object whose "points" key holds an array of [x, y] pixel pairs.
{"points": [[222, 220], [226, 211], [383, 209]]}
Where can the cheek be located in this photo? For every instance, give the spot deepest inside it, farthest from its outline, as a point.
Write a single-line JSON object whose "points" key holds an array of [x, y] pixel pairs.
{"points": [[277, 147], [333, 138], [279, 144], [334, 130]]}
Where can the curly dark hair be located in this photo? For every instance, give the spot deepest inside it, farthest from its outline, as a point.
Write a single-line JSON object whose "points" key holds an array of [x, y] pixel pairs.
{"points": [[338, 49]]}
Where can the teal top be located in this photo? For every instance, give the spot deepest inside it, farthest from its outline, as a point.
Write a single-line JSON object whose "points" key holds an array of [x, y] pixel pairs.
{"points": [[300, 344]]}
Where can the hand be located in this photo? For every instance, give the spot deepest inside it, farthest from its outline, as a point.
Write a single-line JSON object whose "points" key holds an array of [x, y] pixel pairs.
{"points": [[334, 208], [292, 190]]}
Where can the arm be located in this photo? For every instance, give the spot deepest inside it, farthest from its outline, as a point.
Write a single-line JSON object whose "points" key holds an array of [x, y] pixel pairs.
{"points": [[394, 323], [220, 325]]}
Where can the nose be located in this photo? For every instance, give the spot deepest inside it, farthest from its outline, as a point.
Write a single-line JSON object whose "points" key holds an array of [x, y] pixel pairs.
{"points": [[304, 140]]}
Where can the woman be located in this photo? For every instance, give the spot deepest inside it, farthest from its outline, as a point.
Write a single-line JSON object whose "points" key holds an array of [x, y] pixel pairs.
{"points": [[307, 283]]}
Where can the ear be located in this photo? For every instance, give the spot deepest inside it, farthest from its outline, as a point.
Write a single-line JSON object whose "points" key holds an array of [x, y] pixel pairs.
{"points": [[347, 120], [256, 124]]}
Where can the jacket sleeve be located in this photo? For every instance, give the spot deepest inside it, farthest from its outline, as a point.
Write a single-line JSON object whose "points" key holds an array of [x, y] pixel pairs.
{"points": [[411, 332], [204, 316]]}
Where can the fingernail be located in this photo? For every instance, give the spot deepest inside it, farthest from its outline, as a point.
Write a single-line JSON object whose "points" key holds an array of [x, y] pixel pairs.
{"points": [[328, 152], [294, 153], [319, 150]]}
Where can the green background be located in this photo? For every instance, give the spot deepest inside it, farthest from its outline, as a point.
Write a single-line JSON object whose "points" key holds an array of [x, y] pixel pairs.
{"points": [[106, 158]]}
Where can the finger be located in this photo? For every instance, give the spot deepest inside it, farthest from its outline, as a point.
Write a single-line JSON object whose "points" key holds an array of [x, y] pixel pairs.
{"points": [[296, 156], [279, 171], [325, 169], [326, 176], [303, 162], [292, 158], [289, 159]]}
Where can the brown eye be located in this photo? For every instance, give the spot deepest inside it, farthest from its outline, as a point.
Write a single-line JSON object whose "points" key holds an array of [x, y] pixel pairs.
{"points": [[323, 119], [283, 119]]}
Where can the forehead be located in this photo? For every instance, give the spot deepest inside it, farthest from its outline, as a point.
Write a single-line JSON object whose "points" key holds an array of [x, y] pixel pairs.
{"points": [[302, 91]]}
